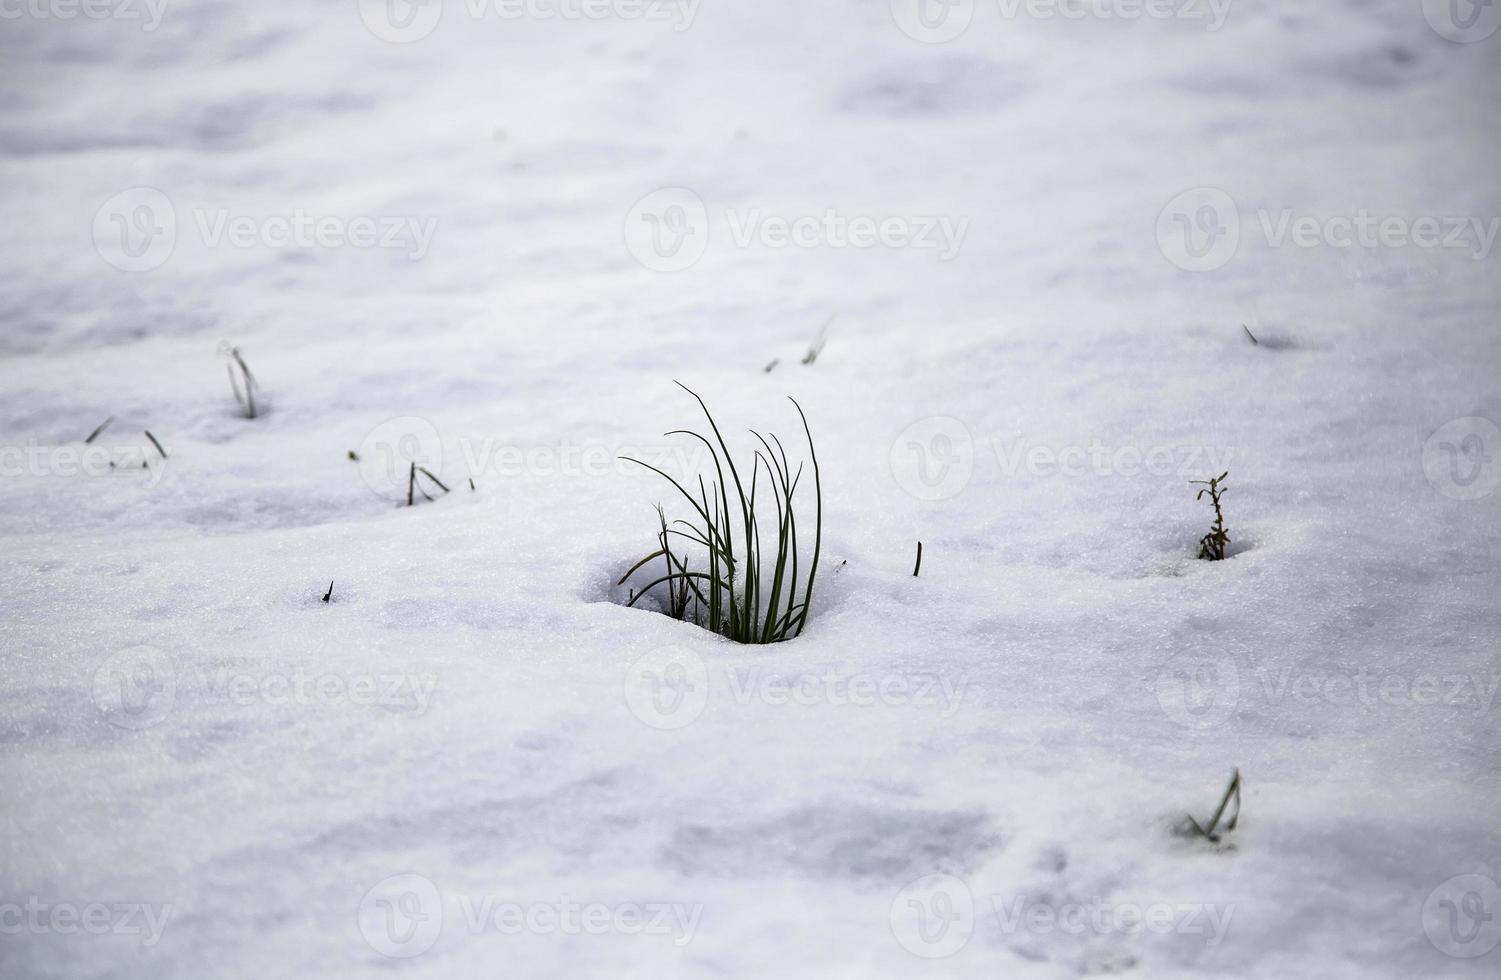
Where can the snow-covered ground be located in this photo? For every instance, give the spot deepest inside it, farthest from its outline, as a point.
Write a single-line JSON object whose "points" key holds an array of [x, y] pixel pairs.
{"points": [[494, 238]]}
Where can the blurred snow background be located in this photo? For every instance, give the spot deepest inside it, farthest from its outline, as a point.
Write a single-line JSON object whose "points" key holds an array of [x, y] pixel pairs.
{"points": [[494, 239]]}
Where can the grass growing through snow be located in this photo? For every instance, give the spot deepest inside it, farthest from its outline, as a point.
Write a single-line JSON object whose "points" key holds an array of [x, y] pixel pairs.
{"points": [[748, 590]]}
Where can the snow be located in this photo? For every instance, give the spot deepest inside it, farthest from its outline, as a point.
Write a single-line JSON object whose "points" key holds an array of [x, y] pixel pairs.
{"points": [[234, 778]]}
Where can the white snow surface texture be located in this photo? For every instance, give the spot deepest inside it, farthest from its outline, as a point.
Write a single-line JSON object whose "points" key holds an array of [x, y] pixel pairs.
{"points": [[475, 761]]}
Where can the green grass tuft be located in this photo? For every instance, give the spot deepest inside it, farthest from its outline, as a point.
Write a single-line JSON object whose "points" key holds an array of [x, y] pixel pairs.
{"points": [[746, 590]]}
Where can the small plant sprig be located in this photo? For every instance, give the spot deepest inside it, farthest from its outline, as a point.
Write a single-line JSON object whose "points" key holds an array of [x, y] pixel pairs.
{"points": [[748, 592], [1192, 828], [1212, 545], [246, 398]]}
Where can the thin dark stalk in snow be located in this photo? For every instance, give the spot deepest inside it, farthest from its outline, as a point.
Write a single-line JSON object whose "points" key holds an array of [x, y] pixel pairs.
{"points": [[95, 434], [246, 398], [1193, 828], [818, 342], [414, 487]]}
